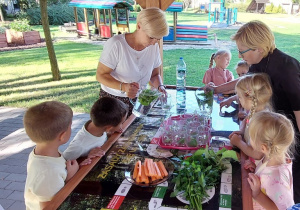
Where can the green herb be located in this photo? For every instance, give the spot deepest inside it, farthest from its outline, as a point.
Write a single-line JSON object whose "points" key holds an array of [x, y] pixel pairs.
{"points": [[181, 141], [199, 173], [193, 143], [205, 98], [147, 96]]}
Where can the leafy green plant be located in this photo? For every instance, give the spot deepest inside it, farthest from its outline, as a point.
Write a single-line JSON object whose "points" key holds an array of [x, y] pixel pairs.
{"points": [[199, 173], [147, 96], [269, 8], [2, 30], [20, 25]]}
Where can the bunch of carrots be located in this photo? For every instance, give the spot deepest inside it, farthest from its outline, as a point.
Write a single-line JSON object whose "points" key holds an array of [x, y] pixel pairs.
{"points": [[149, 171]]}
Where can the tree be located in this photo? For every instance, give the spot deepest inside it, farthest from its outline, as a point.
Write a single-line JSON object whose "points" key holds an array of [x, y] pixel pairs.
{"points": [[50, 48]]}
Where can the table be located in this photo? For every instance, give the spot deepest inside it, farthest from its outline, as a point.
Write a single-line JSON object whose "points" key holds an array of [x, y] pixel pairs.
{"points": [[103, 185]]}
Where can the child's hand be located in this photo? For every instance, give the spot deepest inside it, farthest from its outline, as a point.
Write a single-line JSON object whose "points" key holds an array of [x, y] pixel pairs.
{"points": [[254, 183], [242, 115], [249, 165], [236, 139], [72, 168], [227, 102], [96, 152], [86, 162], [235, 133]]}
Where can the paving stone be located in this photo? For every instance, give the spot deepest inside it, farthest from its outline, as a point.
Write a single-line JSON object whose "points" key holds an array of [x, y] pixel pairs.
{"points": [[3, 175], [6, 203], [17, 196], [16, 177], [17, 169], [13, 162], [5, 193], [18, 186], [3, 167], [18, 205], [4, 183]]}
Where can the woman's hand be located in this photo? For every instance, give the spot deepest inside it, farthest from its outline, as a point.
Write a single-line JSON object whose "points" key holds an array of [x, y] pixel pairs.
{"points": [[162, 89], [131, 89], [254, 183]]}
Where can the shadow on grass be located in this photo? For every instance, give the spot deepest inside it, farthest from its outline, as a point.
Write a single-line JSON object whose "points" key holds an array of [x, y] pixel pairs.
{"points": [[64, 76]]}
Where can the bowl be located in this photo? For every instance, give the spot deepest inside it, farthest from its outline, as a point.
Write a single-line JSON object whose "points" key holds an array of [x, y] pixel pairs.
{"points": [[169, 165]]}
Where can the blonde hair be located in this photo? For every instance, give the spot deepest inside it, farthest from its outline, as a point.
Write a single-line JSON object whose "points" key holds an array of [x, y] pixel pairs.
{"points": [[214, 55], [275, 131], [256, 34], [45, 121], [256, 87], [153, 22]]}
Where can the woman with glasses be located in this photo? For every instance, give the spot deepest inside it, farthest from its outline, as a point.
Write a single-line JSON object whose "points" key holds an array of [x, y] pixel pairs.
{"points": [[129, 61], [256, 44]]}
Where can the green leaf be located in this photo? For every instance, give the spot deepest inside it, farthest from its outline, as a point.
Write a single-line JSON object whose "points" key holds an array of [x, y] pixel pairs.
{"points": [[229, 154]]}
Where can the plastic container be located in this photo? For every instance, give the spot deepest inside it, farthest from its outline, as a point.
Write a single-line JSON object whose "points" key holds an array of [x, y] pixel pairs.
{"points": [[181, 85]]}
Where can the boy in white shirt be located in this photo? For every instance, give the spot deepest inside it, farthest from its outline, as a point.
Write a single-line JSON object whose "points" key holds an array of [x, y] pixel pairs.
{"points": [[48, 125], [107, 116]]}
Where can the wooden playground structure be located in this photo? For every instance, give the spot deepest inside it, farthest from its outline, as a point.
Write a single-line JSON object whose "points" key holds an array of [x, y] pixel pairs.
{"points": [[101, 8]]}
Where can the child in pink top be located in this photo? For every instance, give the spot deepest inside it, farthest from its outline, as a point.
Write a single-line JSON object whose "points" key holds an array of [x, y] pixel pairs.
{"points": [[219, 74], [272, 183]]}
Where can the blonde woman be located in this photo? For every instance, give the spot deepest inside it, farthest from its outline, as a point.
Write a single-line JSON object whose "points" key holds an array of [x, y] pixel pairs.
{"points": [[256, 45], [271, 183], [129, 61]]}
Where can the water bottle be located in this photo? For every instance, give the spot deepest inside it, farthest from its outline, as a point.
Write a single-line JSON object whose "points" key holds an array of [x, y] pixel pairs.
{"points": [[180, 85]]}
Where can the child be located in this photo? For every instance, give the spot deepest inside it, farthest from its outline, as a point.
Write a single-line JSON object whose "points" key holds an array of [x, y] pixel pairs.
{"points": [[272, 184], [254, 93], [48, 125], [219, 74], [107, 116], [242, 68]]}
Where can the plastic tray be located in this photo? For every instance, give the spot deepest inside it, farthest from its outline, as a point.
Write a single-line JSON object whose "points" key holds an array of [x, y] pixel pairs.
{"points": [[162, 145]]}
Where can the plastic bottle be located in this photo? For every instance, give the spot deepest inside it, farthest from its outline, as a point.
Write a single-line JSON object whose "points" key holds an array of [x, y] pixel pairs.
{"points": [[180, 85]]}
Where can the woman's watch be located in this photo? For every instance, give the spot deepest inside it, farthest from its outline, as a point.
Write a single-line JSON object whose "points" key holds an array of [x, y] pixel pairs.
{"points": [[121, 88]]}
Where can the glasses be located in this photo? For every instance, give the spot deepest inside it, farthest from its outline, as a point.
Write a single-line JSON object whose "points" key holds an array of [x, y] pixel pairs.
{"points": [[242, 52]]}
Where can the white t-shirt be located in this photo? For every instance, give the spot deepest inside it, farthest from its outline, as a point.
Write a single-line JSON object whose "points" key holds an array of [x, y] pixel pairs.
{"points": [[128, 64], [82, 143], [45, 177]]}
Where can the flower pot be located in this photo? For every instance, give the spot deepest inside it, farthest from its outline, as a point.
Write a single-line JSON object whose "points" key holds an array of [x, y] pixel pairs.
{"points": [[3, 41], [23, 38]]}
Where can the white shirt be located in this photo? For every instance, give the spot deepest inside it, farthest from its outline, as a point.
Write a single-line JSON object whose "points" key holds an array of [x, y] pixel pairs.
{"points": [[82, 143], [128, 64], [45, 177]]}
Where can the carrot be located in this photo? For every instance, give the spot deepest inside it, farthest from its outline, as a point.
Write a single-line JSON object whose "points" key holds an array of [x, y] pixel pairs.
{"points": [[158, 174], [162, 168], [135, 171], [146, 168], [151, 169], [144, 178], [140, 169]]}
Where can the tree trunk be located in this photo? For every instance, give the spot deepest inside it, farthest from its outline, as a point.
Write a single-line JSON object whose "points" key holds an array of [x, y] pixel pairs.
{"points": [[51, 53]]}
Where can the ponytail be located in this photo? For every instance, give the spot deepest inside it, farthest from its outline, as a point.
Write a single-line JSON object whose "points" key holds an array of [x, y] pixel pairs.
{"points": [[211, 62]]}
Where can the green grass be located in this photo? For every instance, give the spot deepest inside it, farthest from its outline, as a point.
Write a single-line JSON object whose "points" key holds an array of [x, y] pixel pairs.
{"points": [[26, 77]]}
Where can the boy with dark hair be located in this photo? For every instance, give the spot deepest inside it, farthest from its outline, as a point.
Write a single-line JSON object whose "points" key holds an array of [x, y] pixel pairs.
{"points": [[48, 125], [107, 116]]}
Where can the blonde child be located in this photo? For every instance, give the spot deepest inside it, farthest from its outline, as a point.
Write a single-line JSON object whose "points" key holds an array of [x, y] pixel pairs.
{"points": [[272, 183], [48, 125], [219, 74], [254, 94], [107, 116]]}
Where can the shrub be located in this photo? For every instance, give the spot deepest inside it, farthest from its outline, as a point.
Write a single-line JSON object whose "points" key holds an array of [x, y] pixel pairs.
{"points": [[280, 9], [242, 7], [20, 25], [269, 8], [275, 10], [58, 14], [2, 30]]}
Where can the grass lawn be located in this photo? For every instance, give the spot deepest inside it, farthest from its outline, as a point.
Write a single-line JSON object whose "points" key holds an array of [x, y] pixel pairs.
{"points": [[26, 77]]}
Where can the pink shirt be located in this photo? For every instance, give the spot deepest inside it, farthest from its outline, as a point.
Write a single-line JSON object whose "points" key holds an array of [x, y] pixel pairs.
{"points": [[276, 183], [218, 76]]}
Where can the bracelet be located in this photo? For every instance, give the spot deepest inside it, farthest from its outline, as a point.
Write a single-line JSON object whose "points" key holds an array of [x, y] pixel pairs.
{"points": [[160, 86], [121, 87]]}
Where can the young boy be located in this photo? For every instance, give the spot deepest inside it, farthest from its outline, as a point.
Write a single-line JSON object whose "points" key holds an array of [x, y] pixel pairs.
{"points": [[107, 116], [48, 125]]}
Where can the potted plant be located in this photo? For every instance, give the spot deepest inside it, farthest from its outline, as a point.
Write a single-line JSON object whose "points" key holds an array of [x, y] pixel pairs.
{"points": [[20, 33], [3, 41]]}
